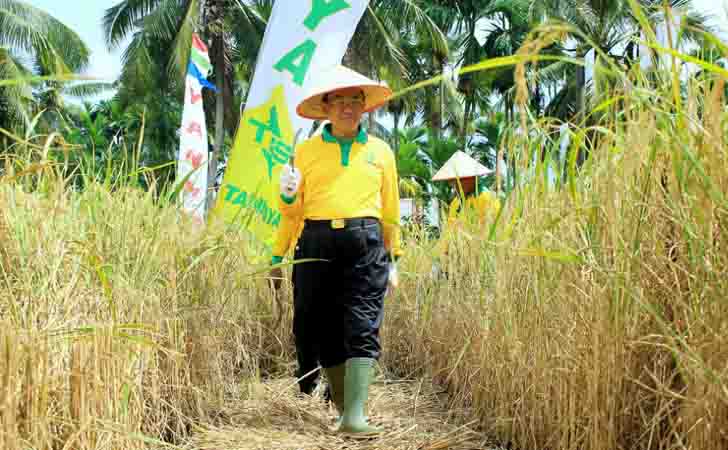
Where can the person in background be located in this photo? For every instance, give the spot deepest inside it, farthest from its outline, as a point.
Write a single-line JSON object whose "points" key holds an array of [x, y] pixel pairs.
{"points": [[344, 188], [471, 199], [472, 205]]}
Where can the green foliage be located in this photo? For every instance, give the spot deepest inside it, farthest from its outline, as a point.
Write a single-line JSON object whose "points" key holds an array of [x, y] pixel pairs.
{"points": [[416, 40], [422, 153], [160, 33], [32, 42], [108, 135]]}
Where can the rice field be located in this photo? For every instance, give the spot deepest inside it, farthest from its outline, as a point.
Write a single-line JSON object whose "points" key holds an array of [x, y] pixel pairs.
{"points": [[591, 314]]}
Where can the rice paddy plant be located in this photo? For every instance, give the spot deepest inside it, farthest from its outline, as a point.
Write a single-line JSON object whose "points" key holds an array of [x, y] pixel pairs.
{"points": [[594, 313], [121, 325]]}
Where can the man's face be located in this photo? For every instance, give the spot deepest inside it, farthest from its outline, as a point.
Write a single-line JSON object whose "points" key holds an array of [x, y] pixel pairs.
{"points": [[345, 108], [466, 184]]}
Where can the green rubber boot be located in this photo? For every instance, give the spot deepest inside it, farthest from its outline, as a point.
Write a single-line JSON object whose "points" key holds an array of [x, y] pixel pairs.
{"points": [[359, 372], [336, 375]]}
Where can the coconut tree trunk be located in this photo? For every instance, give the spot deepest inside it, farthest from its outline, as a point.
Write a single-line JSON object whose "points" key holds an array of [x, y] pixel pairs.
{"points": [[509, 108], [219, 63], [580, 86], [469, 106], [372, 124], [498, 166], [357, 57], [580, 83], [435, 112], [215, 19]]}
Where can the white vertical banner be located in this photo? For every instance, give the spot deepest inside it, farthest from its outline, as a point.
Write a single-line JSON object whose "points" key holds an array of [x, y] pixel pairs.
{"points": [[302, 38], [193, 152]]}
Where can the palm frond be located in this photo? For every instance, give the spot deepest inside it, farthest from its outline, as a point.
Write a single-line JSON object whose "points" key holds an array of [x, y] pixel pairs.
{"points": [[555, 72], [415, 14], [87, 89], [122, 19], [257, 12], [12, 98], [391, 50], [248, 23], [55, 47], [136, 62], [183, 37]]}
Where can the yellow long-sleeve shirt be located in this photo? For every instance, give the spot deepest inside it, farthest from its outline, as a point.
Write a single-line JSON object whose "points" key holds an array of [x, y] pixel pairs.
{"points": [[477, 211], [477, 207], [343, 180]]}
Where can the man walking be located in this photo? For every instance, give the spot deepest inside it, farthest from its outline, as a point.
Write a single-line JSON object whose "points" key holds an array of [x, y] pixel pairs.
{"points": [[344, 189]]}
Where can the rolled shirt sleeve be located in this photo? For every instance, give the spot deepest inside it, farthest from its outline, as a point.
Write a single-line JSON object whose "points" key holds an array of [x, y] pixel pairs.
{"points": [[286, 236], [291, 220]]}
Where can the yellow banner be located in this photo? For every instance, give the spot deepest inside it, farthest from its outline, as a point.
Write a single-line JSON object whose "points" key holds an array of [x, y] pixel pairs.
{"points": [[249, 193]]}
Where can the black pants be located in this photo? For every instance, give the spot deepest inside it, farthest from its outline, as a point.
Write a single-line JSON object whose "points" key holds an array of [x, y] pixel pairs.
{"points": [[307, 350], [340, 301]]}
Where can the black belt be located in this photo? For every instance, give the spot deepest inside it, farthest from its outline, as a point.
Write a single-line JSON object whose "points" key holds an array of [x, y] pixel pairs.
{"points": [[338, 224]]}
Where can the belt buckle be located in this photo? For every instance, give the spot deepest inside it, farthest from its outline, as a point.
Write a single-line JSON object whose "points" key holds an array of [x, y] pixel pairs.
{"points": [[338, 224]]}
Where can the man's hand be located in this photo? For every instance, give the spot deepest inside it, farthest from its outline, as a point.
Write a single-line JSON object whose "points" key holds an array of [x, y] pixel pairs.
{"points": [[276, 276], [290, 181]]}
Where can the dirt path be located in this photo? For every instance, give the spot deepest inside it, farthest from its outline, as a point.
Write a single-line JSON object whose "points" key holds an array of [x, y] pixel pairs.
{"points": [[273, 416]]}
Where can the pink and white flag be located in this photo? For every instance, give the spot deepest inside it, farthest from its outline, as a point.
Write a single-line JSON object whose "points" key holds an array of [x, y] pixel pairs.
{"points": [[193, 152]]}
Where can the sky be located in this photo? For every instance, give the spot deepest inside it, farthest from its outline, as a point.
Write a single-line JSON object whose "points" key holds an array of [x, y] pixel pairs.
{"points": [[85, 17]]}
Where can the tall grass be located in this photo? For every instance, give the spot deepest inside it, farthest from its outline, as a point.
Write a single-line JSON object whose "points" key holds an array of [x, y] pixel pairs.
{"points": [[119, 325], [591, 315]]}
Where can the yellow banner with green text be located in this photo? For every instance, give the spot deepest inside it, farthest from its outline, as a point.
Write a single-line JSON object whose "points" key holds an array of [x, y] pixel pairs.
{"points": [[250, 192]]}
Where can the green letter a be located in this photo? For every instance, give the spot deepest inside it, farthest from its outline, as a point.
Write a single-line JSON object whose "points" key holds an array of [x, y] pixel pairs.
{"points": [[290, 61], [322, 9]]}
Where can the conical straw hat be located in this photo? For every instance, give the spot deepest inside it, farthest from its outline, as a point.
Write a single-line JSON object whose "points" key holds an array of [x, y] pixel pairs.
{"points": [[460, 165], [340, 77]]}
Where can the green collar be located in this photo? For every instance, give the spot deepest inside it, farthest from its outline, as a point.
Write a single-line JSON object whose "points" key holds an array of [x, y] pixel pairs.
{"points": [[361, 138]]}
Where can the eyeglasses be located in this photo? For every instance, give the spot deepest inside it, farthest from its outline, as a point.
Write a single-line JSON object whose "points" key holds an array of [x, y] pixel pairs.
{"points": [[338, 100]]}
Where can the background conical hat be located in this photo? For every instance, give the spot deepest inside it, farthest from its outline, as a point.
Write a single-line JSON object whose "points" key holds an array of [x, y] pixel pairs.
{"points": [[460, 165], [340, 77]]}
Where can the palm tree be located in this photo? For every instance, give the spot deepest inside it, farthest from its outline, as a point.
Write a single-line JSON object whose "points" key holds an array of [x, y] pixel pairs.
{"points": [[611, 26], [32, 42], [414, 173], [438, 151], [378, 48], [489, 146], [510, 23], [160, 33], [431, 103]]}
